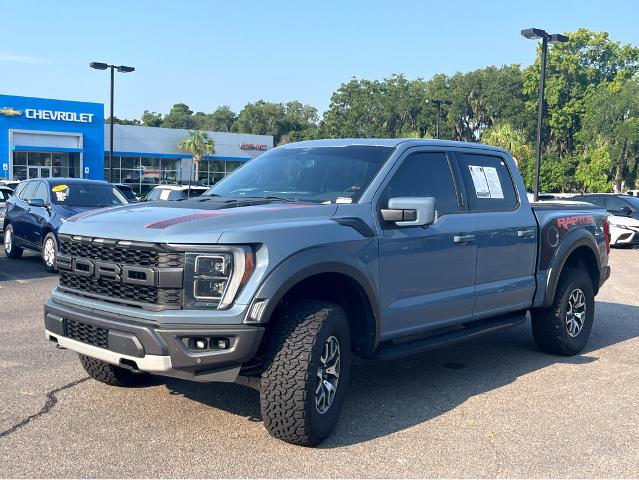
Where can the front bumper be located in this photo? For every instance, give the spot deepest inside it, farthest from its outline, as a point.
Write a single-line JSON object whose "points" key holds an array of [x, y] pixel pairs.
{"points": [[151, 347]]}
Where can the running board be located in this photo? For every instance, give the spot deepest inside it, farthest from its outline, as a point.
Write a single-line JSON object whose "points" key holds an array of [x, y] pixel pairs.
{"points": [[394, 349]]}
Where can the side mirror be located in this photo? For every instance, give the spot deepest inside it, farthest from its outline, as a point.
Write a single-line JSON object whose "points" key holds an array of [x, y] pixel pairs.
{"points": [[36, 202], [410, 211]]}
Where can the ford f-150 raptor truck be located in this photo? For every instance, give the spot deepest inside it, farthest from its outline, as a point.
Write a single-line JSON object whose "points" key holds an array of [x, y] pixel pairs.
{"points": [[317, 251]]}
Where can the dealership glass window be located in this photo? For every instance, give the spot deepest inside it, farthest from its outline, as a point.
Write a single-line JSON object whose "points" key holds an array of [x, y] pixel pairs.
{"points": [[59, 164], [19, 158], [130, 162]]}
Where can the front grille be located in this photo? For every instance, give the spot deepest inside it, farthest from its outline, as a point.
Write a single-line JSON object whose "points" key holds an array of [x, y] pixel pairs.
{"points": [[121, 292], [144, 257], [85, 333], [84, 281]]}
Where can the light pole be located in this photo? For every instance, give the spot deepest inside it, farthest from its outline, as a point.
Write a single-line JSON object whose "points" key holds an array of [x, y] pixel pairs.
{"points": [[121, 69], [534, 34], [439, 109]]}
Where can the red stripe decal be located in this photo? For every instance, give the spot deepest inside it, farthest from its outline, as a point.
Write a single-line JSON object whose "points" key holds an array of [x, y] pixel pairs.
{"points": [[169, 222]]}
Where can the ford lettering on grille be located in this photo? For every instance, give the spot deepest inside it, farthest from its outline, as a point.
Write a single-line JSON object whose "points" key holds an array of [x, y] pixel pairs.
{"points": [[109, 271]]}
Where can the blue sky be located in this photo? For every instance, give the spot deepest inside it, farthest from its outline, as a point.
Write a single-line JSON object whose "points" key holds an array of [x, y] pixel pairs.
{"points": [[212, 53]]}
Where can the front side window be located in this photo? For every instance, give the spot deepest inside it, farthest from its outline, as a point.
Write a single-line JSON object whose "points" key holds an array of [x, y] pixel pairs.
{"points": [[616, 204], [41, 192], [28, 190], [315, 174], [489, 186], [86, 195], [424, 174]]}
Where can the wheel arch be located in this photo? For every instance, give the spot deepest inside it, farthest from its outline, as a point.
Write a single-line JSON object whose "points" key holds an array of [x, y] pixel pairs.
{"points": [[580, 251], [342, 283]]}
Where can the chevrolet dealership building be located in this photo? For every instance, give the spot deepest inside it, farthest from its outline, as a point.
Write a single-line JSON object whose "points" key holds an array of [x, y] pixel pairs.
{"points": [[61, 138]]}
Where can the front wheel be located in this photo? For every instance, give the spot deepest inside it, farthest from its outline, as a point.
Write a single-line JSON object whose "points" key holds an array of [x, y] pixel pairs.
{"points": [[10, 248], [112, 374], [49, 251], [564, 328], [306, 372]]}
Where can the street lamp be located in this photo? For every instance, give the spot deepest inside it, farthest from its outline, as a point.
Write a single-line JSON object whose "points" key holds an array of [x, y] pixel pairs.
{"points": [[121, 69], [439, 104], [535, 34]]}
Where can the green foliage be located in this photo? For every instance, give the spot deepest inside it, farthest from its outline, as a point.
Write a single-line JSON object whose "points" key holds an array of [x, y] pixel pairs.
{"points": [[198, 144], [595, 169], [122, 121], [151, 119], [180, 116]]}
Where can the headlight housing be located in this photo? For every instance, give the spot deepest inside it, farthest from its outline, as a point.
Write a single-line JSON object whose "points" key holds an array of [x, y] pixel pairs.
{"points": [[214, 277]]}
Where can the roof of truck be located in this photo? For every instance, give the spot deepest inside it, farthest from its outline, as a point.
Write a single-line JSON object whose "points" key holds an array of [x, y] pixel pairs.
{"points": [[388, 142]]}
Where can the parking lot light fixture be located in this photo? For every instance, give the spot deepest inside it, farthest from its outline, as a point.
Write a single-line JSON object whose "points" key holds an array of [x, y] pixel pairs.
{"points": [[121, 69], [536, 34], [439, 104]]}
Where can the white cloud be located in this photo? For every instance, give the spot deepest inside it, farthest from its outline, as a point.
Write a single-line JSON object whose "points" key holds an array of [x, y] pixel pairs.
{"points": [[5, 57]]}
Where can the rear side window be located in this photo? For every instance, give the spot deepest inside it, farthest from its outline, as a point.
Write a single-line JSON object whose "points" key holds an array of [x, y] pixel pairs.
{"points": [[28, 190], [616, 204], [424, 175], [489, 185], [41, 192]]}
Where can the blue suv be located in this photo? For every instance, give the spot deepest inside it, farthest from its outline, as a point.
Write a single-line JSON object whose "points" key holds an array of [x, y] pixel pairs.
{"points": [[40, 206]]}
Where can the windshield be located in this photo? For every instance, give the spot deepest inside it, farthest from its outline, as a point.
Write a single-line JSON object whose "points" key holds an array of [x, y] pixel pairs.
{"points": [[86, 195], [634, 201], [316, 174]]}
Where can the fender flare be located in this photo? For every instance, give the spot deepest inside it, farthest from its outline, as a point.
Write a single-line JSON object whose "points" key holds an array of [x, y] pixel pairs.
{"points": [[308, 263], [571, 242]]}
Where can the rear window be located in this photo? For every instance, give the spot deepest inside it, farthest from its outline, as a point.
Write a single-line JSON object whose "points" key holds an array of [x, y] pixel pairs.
{"points": [[489, 186], [86, 195]]}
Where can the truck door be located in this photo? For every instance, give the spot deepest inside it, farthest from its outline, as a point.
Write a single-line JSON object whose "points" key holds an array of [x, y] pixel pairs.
{"points": [[21, 210], [427, 274], [506, 235]]}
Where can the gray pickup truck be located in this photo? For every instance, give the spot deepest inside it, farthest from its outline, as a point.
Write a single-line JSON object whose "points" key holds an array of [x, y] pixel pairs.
{"points": [[318, 251]]}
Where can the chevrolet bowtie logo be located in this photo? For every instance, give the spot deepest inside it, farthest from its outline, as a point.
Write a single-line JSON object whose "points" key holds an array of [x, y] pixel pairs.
{"points": [[10, 112]]}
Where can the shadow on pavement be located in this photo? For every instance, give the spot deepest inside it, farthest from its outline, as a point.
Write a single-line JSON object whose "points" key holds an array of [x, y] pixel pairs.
{"points": [[28, 267], [387, 397]]}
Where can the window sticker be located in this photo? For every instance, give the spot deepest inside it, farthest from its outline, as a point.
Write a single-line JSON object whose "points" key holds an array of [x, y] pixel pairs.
{"points": [[479, 180], [344, 200], [59, 188], [494, 184], [61, 192]]}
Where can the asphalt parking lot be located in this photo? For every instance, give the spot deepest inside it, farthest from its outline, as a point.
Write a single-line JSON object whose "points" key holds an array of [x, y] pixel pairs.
{"points": [[493, 407]]}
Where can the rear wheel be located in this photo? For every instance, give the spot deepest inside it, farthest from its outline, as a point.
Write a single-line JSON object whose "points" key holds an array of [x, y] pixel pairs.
{"points": [[49, 251], [10, 248], [306, 372], [112, 374], [564, 328]]}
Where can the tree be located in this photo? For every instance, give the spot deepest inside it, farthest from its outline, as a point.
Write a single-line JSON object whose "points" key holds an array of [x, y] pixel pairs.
{"points": [[198, 144], [594, 170], [151, 119], [612, 118], [122, 121], [574, 69], [222, 119], [180, 116], [515, 141]]}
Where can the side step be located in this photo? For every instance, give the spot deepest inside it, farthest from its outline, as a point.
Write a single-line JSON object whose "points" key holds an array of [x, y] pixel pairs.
{"points": [[396, 349]]}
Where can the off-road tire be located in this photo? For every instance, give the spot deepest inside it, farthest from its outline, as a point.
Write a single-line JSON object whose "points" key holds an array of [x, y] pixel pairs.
{"points": [[51, 268], [111, 374], [295, 343], [549, 324], [14, 251]]}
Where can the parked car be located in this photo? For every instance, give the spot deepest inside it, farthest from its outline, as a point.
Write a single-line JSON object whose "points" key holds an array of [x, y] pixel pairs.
{"points": [[624, 216], [127, 191], [12, 184], [317, 251], [174, 192], [39, 207], [5, 193]]}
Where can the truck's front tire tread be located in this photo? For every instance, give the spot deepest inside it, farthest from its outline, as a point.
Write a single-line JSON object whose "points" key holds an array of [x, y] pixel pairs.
{"points": [[548, 324], [289, 378], [112, 374]]}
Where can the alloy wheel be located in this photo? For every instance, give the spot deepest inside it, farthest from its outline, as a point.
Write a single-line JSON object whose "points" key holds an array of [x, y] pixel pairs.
{"points": [[327, 375], [48, 252], [576, 312], [8, 240]]}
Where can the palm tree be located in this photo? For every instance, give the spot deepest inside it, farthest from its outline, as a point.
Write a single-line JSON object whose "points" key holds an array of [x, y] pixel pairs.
{"points": [[505, 136], [198, 144]]}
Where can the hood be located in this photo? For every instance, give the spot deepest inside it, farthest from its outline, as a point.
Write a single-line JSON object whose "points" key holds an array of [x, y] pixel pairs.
{"points": [[201, 220], [67, 211], [625, 221]]}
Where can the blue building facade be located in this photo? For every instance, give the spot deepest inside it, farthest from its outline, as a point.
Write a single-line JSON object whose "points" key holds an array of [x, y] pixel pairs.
{"points": [[42, 137], [50, 138]]}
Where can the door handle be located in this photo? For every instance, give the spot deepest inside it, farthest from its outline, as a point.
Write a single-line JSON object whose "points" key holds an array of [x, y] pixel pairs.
{"points": [[463, 238], [526, 233]]}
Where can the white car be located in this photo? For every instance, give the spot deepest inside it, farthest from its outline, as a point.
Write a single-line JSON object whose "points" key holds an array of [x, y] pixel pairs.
{"points": [[623, 230], [174, 192]]}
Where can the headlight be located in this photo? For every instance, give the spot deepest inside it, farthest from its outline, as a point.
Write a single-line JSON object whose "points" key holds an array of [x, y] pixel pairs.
{"points": [[214, 277]]}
